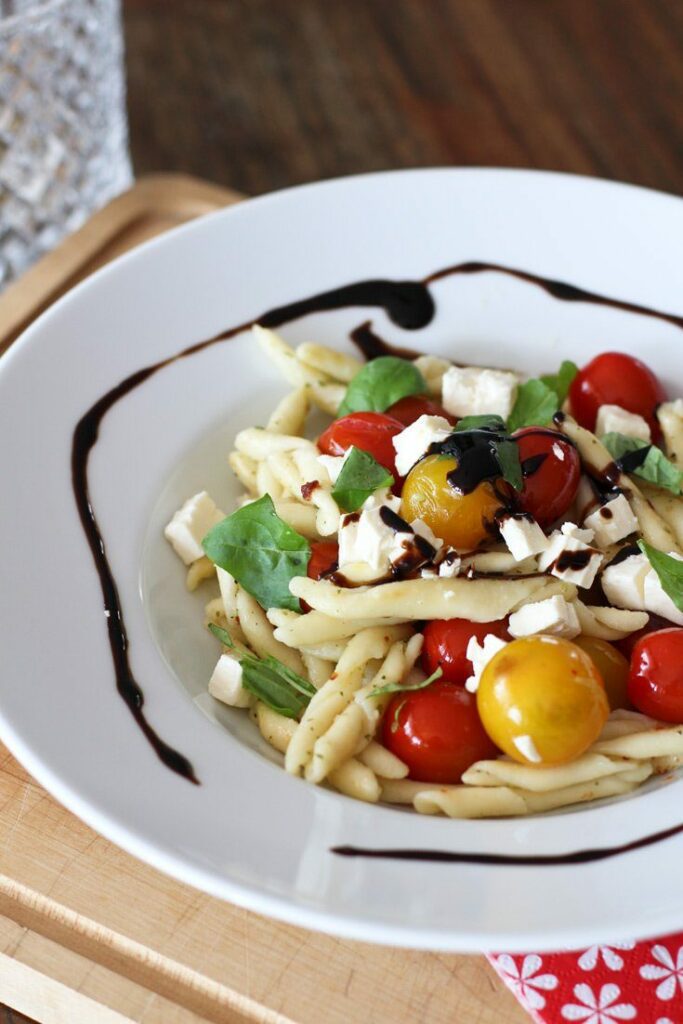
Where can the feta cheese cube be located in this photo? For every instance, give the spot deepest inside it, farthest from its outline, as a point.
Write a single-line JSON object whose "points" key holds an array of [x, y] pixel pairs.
{"points": [[472, 391], [413, 442], [624, 583], [523, 536], [190, 525], [480, 655], [449, 567], [366, 538], [554, 617], [657, 601], [570, 558], [612, 521], [612, 419], [419, 527], [225, 683], [572, 530]]}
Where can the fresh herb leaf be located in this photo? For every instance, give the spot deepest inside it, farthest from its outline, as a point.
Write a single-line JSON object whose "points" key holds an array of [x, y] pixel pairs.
{"points": [[408, 687], [486, 422], [276, 685], [380, 383], [561, 381], [507, 453], [535, 406], [669, 570], [261, 551], [655, 467], [221, 634], [360, 476]]}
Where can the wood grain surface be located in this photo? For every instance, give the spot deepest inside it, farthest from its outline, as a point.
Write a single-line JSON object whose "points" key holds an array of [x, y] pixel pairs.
{"points": [[259, 94]]}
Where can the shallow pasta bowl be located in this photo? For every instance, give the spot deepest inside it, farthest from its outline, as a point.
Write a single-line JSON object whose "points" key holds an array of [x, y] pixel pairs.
{"points": [[190, 787]]}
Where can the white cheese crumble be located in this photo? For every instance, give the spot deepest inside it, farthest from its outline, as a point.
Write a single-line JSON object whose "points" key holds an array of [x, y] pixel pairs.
{"points": [[190, 525], [634, 584], [480, 655], [472, 391], [612, 521], [364, 537], [450, 564], [612, 419], [523, 536], [225, 683], [554, 616], [413, 442], [570, 541], [334, 463]]}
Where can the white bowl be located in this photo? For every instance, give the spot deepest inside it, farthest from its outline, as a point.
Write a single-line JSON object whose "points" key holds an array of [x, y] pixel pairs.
{"points": [[249, 832]]}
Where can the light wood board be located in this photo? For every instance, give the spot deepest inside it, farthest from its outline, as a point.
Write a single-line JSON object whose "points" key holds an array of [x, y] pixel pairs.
{"points": [[89, 934]]}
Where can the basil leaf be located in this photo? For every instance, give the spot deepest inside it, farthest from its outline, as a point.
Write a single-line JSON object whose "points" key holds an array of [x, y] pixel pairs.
{"points": [[276, 685], [380, 383], [485, 422], [360, 476], [261, 551], [669, 570], [221, 634], [507, 453], [560, 382], [535, 406], [654, 467], [408, 687]]}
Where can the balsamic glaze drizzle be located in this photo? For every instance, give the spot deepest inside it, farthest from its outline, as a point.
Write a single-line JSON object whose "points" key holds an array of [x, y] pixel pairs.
{"points": [[409, 305]]}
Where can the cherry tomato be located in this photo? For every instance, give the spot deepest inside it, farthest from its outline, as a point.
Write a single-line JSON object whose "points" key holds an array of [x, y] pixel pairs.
{"points": [[370, 431], [614, 378], [445, 645], [436, 732], [409, 409], [612, 666], [653, 625], [324, 558], [655, 685], [461, 520], [542, 701], [551, 469]]}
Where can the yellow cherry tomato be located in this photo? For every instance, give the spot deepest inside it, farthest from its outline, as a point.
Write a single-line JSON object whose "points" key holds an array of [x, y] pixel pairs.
{"points": [[612, 666], [542, 701], [460, 519]]}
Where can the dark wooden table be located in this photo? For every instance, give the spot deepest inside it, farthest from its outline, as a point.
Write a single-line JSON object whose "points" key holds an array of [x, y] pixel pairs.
{"points": [[259, 94]]}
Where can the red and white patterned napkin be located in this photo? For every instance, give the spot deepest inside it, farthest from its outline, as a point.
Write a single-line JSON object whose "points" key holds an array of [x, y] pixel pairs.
{"points": [[627, 981]]}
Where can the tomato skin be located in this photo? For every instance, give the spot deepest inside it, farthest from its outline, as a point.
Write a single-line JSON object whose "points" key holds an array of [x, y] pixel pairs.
{"points": [[324, 559], [372, 432], [445, 645], [612, 666], [436, 732], [550, 488], [655, 684], [613, 378], [409, 409]]}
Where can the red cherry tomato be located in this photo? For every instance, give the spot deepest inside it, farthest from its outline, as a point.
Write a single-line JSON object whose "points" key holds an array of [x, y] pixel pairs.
{"points": [[409, 409], [437, 732], [445, 645], [370, 431], [324, 558], [552, 470], [655, 684], [614, 378]]}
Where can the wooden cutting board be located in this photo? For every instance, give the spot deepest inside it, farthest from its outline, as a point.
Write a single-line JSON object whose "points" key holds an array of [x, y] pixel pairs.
{"points": [[89, 934]]}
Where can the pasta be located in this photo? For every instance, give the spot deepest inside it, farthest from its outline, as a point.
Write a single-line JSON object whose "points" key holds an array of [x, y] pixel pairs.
{"points": [[331, 595]]}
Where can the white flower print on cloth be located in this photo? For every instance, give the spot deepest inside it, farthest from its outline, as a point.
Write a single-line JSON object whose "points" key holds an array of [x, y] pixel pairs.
{"points": [[525, 980], [666, 972], [590, 958], [598, 1009]]}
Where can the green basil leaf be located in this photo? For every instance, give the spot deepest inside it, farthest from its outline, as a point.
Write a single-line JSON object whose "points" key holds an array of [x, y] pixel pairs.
{"points": [[261, 551], [561, 381], [655, 467], [276, 685], [507, 453], [535, 406], [669, 570], [486, 422], [408, 687], [360, 476], [380, 383], [221, 634]]}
